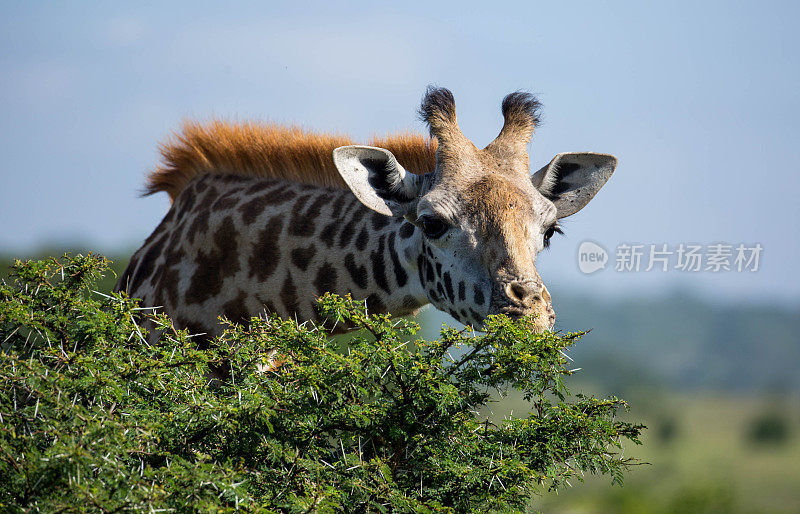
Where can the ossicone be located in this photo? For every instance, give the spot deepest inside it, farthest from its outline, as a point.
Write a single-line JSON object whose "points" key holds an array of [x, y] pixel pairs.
{"points": [[438, 110], [521, 116]]}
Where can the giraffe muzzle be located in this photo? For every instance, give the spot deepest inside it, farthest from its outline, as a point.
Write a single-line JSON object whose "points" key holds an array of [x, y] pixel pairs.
{"points": [[523, 298]]}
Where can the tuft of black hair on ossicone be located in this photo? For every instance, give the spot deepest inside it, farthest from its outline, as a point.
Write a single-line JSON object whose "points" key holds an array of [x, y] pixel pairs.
{"points": [[521, 108], [438, 108]]}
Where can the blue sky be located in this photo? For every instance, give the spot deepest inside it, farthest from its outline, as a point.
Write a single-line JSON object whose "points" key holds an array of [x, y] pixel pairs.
{"points": [[699, 101]]}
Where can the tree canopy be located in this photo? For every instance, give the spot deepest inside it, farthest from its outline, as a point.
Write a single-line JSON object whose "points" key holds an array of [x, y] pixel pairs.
{"points": [[92, 417]]}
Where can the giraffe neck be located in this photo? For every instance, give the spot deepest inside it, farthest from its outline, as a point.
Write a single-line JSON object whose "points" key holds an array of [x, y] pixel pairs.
{"points": [[330, 242], [359, 252], [235, 246]]}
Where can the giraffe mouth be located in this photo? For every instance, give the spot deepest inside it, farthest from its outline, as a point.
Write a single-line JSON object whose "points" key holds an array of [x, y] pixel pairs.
{"points": [[541, 321], [514, 312]]}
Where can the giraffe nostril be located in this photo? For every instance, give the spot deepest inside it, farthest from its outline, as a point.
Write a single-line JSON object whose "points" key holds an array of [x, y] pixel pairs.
{"points": [[520, 291]]}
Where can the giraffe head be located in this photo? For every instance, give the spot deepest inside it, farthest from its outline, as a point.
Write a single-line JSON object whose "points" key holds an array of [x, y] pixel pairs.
{"points": [[481, 217]]}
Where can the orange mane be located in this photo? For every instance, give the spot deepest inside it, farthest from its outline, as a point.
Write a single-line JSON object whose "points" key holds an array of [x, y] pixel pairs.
{"points": [[270, 150]]}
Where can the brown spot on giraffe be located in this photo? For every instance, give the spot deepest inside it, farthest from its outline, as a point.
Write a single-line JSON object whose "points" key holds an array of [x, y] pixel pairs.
{"points": [[363, 239], [326, 278], [379, 266], [302, 222], [236, 309], [214, 265], [288, 296], [400, 274], [266, 252], [302, 256], [358, 273]]}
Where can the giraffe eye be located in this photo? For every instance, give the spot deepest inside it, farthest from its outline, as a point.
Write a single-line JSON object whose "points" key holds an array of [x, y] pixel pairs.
{"points": [[549, 233], [433, 228]]}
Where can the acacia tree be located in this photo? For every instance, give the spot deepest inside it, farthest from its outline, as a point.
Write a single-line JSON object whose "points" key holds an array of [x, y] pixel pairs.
{"points": [[92, 417]]}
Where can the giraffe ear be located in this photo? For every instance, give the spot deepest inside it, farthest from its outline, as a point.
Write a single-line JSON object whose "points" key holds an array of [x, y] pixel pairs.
{"points": [[572, 179], [377, 179]]}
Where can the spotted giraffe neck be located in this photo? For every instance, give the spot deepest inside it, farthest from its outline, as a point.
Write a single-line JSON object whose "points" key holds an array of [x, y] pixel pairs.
{"points": [[238, 246]]}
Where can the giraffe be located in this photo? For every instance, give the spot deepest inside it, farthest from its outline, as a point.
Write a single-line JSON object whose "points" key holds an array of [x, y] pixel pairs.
{"points": [[267, 218]]}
